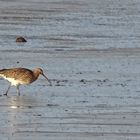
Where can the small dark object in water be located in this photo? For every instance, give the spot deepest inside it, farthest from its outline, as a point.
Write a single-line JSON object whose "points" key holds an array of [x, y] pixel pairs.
{"points": [[20, 39], [83, 81]]}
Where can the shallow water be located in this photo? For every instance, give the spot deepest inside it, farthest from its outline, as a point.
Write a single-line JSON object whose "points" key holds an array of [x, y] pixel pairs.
{"points": [[70, 24], [90, 52]]}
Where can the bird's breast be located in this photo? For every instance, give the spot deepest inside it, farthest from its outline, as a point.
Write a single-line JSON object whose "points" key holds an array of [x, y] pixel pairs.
{"points": [[14, 82]]}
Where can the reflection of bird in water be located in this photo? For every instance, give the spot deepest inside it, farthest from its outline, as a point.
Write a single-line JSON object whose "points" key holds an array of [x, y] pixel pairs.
{"points": [[20, 76]]}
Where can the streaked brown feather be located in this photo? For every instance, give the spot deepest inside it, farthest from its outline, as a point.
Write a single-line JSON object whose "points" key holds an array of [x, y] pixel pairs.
{"points": [[21, 74]]}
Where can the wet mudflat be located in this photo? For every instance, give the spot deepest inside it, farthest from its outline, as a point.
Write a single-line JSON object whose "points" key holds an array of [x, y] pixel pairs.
{"points": [[90, 51]]}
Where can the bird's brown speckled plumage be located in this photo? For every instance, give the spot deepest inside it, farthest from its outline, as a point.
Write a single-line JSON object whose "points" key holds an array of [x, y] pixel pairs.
{"points": [[22, 74], [19, 76]]}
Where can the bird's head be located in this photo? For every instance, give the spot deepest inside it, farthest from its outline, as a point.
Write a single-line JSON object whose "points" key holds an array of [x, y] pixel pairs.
{"points": [[40, 71]]}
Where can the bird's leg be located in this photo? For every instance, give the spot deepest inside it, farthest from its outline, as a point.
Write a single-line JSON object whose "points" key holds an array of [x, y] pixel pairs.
{"points": [[7, 90], [18, 91]]}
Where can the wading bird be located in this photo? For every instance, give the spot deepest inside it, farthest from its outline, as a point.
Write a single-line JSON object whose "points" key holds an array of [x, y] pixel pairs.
{"points": [[21, 76]]}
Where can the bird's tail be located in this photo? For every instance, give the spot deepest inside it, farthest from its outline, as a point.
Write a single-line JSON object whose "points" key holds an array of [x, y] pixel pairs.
{"points": [[2, 72]]}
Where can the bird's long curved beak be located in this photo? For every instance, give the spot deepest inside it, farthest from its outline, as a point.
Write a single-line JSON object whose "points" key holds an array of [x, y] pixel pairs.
{"points": [[47, 78]]}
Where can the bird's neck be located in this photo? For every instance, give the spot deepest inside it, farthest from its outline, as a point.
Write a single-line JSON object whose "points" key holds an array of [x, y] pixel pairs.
{"points": [[36, 74]]}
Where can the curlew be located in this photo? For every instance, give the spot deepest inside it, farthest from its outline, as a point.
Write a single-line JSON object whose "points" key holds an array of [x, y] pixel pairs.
{"points": [[21, 76]]}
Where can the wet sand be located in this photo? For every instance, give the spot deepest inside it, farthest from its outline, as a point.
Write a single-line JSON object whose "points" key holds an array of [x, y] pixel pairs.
{"points": [[90, 51]]}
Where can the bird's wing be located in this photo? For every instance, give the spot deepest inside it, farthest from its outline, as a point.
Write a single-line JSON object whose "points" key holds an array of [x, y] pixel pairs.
{"points": [[15, 73]]}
